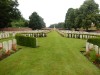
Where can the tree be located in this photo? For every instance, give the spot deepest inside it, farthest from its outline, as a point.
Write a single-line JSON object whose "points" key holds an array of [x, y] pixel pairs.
{"points": [[19, 23], [87, 14], [97, 21], [57, 25], [8, 12], [89, 9], [26, 23], [69, 19], [36, 22], [77, 19]]}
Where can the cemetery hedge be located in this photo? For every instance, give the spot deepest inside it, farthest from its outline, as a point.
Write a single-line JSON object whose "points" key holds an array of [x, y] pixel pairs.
{"points": [[95, 41], [25, 40]]}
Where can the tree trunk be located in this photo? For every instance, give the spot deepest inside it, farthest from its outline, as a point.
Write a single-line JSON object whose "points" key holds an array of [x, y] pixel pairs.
{"points": [[75, 29], [86, 28]]}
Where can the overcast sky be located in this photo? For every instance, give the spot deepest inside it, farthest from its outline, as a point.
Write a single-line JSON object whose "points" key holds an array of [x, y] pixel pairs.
{"points": [[53, 11]]}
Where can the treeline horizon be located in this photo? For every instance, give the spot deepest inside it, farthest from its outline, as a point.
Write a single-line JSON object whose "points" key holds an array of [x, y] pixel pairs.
{"points": [[83, 17]]}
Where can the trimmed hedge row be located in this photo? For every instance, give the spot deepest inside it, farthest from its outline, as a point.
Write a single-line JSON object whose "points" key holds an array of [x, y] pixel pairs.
{"points": [[25, 40], [95, 41]]}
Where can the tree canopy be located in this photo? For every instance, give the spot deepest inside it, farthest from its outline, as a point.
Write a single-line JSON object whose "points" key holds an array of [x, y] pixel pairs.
{"points": [[84, 16], [8, 12], [20, 23], [36, 21]]}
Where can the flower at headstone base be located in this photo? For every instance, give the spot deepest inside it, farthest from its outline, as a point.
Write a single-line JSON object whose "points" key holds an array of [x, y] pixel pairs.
{"points": [[4, 47], [87, 48], [14, 45], [8, 52], [0, 46], [97, 50], [7, 49], [10, 45]]}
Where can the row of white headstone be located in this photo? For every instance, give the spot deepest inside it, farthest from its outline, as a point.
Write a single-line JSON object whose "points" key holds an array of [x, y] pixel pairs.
{"points": [[90, 46], [8, 46], [13, 33], [35, 34], [77, 34], [81, 36], [4, 35]]}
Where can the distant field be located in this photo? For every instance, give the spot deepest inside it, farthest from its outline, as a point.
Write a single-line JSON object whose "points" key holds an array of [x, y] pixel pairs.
{"points": [[55, 55]]}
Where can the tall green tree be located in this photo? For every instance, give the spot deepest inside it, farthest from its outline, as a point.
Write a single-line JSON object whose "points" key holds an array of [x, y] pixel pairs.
{"points": [[87, 14], [36, 22], [8, 12], [69, 19], [89, 9], [97, 21], [77, 19]]}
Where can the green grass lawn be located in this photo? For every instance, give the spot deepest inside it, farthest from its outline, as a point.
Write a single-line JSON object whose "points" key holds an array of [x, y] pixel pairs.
{"points": [[56, 56]]}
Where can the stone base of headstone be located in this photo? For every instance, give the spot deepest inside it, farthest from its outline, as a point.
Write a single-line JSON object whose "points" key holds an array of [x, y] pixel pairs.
{"points": [[87, 47], [14, 47], [97, 50], [0, 54], [8, 52]]}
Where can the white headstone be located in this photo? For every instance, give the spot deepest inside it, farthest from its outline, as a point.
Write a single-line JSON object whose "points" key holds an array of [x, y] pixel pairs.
{"points": [[14, 44], [91, 46], [0, 36], [29, 35], [38, 34], [72, 35], [69, 35], [43, 34], [3, 36], [80, 36], [75, 35], [0, 45], [14, 41], [8, 35], [13, 34], [87, 47], [10, 45], [99, 51], [83, 36], [33, 35], [5, 47], [96, 49]]}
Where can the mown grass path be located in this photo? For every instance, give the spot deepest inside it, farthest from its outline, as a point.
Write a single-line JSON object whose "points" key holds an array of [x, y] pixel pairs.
{"points": [[55, 56]]}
